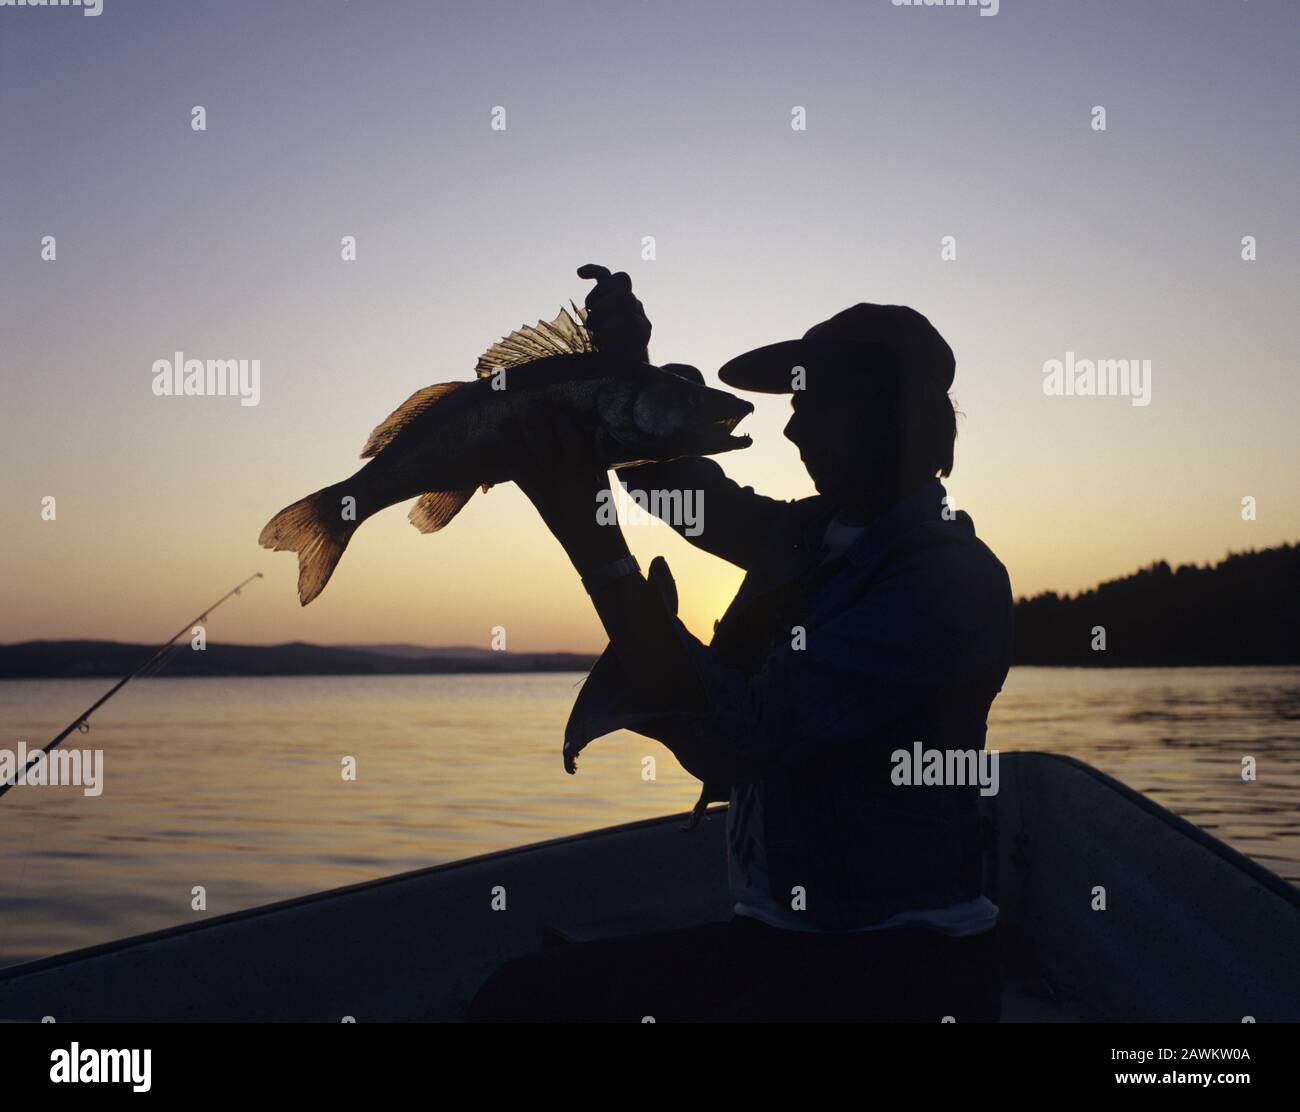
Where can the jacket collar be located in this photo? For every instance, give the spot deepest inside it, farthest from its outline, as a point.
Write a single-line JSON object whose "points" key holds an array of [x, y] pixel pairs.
{"points": [[814, 515], [923, 505]]}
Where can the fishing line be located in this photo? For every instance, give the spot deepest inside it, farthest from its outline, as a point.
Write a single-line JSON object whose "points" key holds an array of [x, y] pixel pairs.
{"points": [[81, 724]]}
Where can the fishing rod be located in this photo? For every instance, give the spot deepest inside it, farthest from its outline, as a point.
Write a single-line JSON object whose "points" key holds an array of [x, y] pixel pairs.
{"points": [[81, 723]]}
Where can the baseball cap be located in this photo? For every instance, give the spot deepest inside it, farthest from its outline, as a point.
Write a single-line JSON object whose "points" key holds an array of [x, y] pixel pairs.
{"points": [[858, 340]]}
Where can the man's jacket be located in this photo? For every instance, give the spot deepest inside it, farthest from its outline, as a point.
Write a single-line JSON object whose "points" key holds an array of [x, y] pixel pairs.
{"points": [[817, 675]]}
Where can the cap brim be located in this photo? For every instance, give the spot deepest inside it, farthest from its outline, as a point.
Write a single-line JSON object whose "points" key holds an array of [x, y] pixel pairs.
{"points": [[766, 370]]}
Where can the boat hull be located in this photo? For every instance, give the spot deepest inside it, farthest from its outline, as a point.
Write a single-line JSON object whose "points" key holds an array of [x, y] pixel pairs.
{"points": [[1191, 931]]}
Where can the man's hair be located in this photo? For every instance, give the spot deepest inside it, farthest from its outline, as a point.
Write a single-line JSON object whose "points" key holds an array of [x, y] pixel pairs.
{"points": [[921, 419], [938, 428]]}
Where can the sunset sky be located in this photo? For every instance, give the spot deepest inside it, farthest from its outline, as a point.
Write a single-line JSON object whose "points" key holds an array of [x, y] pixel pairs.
{"points": [[624, 120]]}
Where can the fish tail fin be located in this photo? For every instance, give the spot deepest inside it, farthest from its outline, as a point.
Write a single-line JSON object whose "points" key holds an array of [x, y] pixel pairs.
{"points": [[314, 528]]}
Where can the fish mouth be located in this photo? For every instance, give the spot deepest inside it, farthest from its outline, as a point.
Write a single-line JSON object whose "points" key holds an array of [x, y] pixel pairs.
{"points": [[726, 425], [719, 427]]}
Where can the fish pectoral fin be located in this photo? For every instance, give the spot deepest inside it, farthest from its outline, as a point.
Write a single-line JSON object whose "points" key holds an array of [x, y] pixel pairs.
{"points": [[433, 510], [387, 430]]}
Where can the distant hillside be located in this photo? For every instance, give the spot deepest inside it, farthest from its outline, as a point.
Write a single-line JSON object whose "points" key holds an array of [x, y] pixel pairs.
{"points": [[404, 649], [1244, 610], [50, 659]]}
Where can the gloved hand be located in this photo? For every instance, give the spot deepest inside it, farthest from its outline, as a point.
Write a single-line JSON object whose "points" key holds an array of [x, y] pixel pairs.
{"points": [[615, 318]]}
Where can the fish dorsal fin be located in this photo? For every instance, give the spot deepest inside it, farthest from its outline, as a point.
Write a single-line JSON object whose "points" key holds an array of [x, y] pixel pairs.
{"points": [[433, 510], [565, 335], [386, 432]]}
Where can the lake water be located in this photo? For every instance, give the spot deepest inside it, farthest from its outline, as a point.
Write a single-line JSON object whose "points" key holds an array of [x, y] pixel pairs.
{"points": [[235, 785]]}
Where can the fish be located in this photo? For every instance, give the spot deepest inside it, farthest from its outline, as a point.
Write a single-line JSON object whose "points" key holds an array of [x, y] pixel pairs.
{"points": [[431, 447]]}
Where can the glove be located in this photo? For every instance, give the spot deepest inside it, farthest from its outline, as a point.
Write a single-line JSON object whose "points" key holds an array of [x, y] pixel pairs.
{"points": [[615, 318]]}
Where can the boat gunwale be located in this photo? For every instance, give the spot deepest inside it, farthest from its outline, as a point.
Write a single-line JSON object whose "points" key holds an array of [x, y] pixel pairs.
{"points": [[40, 965], [1276, 884]]}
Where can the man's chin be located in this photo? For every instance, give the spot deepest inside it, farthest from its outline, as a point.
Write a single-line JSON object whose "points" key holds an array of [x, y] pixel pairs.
{"points": [[823, 484]]}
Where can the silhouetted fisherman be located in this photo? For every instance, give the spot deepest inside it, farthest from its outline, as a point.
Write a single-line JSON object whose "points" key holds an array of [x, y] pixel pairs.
{"points": [[870, 619]]}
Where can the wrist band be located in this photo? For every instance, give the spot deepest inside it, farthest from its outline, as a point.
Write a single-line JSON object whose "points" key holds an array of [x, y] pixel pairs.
{"points": [[616, 570]]}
